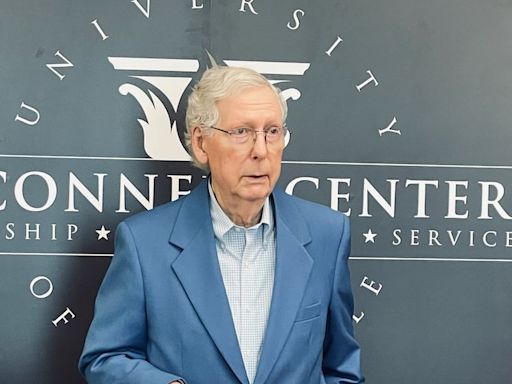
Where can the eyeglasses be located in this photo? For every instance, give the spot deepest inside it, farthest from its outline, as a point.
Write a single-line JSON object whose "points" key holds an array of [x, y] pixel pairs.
{"points": [[242, 135]]}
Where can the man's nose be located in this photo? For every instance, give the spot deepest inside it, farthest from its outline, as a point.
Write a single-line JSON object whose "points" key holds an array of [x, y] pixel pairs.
{"points": [[259, 148]]}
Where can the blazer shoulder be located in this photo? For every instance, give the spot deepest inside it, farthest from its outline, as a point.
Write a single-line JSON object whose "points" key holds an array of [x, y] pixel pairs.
{"points": [[161, 214], [163, 218], [310, 208], [316, 217]]}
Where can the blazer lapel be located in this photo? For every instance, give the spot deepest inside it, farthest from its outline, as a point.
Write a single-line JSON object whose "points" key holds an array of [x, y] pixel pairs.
{"points": [[293, 266], [198, 270]]}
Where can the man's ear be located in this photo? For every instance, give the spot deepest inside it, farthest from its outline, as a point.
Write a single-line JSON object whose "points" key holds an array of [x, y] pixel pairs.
{"points": [[197, 141]]}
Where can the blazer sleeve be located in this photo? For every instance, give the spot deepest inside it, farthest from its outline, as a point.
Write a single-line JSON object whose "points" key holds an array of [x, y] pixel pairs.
{"points": [[341, 360], [115, 346]]}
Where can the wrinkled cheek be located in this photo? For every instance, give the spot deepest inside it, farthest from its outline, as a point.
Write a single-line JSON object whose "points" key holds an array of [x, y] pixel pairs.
{"points": [[275, 177]]}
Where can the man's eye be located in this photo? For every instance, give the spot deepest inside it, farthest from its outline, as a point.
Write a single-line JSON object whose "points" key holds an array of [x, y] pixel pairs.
{"points": [[242, 131], [274, 131]]}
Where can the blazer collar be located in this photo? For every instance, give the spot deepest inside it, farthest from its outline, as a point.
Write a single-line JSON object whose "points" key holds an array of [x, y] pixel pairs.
{"points": [[287, 212]]}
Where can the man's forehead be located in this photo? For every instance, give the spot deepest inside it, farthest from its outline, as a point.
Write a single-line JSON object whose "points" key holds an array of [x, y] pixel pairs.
{"points": [[253, 96], [239, 92], [252, 99]]}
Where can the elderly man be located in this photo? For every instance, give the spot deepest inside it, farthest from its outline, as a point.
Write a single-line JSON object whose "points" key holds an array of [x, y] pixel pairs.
{"points": [[236, 282]]}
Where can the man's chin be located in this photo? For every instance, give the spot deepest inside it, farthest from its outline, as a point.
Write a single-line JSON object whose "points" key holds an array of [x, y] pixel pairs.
{"points": [[256, 193]]}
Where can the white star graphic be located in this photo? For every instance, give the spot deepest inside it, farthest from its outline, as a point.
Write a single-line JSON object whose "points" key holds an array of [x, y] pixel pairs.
{"points": [[369, 236], [103, 233]]}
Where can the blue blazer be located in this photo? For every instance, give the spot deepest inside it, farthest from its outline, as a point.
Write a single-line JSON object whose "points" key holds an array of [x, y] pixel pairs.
{"points": [[162, 313]]}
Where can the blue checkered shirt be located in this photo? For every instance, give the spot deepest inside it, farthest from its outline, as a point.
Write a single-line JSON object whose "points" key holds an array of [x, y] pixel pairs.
{"points": [[247, 263]]}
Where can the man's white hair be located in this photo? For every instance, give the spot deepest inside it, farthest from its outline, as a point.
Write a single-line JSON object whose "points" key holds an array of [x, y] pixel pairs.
{"points": [[217, 83]]}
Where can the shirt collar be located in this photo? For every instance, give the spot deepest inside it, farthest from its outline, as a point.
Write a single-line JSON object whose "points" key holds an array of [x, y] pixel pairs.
{"points": [[222, 223]]}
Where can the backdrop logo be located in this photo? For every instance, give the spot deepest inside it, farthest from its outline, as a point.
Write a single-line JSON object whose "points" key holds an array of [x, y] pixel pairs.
{"points": [[162, 125]]}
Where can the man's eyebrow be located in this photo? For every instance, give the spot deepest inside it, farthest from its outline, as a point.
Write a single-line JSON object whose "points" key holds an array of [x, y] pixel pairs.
{"points": [[269, 123]]}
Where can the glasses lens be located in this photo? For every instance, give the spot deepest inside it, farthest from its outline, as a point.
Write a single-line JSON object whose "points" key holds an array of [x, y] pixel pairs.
{"points": [[243, 134], [273, 133], [240, 135]]}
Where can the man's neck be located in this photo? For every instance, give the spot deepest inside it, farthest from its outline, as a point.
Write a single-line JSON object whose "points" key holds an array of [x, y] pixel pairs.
{"points": [[244, 214], [244, 217]]}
